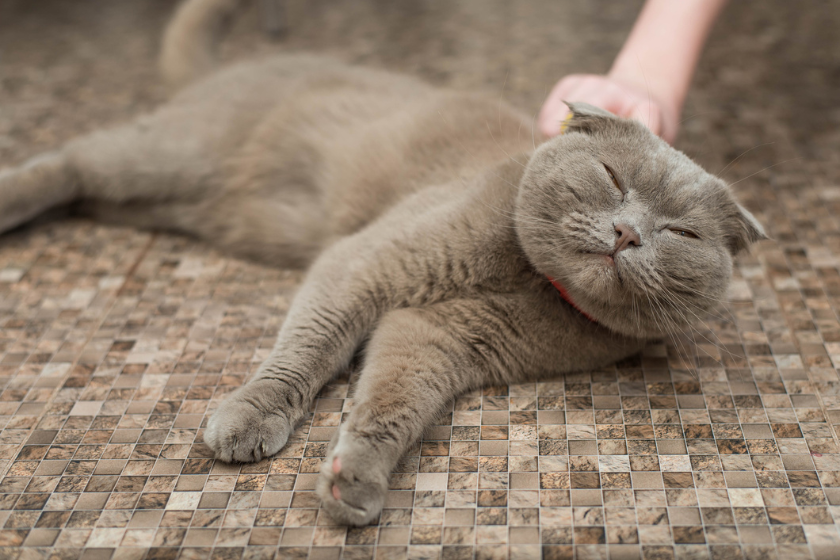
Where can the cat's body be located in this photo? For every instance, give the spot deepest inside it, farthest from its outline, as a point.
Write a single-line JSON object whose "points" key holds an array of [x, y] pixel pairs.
{"points": [[432, 240], [276, 159]]}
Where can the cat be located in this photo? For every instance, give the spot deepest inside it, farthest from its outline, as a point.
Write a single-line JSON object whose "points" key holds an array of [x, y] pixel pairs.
{"points": [[445, 244]]}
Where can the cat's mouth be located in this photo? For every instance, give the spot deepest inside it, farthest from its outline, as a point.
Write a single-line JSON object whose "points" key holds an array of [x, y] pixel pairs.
{"points": [[605, 258], [605, 263]]}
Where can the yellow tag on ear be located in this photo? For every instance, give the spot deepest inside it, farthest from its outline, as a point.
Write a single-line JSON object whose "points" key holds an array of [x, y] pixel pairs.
{"points": [[565, 123]]}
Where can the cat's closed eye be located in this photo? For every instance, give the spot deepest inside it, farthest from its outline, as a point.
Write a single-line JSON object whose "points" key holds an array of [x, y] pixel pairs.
{"points": [[613, 179], [684, 233]]}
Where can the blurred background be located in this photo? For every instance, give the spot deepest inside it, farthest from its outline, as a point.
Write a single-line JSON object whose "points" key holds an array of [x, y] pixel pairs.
{"points": [[766, 83], [769, 74]]}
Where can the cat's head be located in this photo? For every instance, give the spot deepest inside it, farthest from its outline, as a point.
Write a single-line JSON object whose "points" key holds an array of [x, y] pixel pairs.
{"points": [[641, 237]]}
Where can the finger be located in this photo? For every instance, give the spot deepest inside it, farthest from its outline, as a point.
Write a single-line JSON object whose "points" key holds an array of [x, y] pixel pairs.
{"points": [[554, 110], [585, 90], [552, 116], [604, 94]]}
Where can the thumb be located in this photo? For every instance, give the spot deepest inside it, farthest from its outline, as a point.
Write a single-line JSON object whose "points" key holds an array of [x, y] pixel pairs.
{"points": [[551, 121]]}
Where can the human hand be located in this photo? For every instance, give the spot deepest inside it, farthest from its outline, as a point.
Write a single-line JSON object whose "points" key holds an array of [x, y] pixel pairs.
{"points": [[616, 95]]}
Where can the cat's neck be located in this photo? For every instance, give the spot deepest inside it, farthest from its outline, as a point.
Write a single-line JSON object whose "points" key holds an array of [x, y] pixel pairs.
{"points": [[501, 188], [490, 207], [568, 298]]}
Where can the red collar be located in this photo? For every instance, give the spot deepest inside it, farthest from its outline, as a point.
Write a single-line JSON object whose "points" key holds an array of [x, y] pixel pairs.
{"points": [[565, 295]]}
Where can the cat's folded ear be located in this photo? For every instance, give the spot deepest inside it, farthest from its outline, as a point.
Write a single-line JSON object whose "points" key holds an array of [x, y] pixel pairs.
{"points": [[586, 118], [744, 230]]}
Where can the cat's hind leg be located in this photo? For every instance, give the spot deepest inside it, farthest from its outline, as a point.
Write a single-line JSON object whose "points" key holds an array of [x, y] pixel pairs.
{"points": [[151, 161], [41, 183], [417, 361]]}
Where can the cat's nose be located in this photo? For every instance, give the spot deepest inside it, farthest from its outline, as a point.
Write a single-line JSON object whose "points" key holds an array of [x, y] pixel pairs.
{"points": [[626, 236]]}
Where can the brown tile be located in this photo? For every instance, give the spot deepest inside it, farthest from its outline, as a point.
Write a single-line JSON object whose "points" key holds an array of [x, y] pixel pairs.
{"points": [[589, 535], [740, 480], [786, 430], [584, 480], [689, 535], [732, 446]]}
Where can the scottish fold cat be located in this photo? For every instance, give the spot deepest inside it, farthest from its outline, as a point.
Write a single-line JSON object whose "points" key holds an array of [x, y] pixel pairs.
{"points": [[445, 244]]}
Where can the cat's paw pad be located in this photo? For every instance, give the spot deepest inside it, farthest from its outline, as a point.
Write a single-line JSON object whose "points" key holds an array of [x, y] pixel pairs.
{"points": [[352, 484], [240, 431]]}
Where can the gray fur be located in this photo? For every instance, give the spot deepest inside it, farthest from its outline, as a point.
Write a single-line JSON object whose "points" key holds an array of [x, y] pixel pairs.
{"points": [[429, 239]]}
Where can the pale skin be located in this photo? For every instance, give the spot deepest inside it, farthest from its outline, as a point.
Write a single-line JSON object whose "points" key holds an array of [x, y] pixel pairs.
{"points": [[650, 77]]}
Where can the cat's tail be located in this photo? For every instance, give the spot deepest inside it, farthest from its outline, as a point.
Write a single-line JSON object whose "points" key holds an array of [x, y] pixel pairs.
{"points": [[191, 39]]}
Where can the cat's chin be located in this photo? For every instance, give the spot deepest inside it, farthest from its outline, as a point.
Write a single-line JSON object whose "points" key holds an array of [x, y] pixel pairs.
{"points": [[597, 274], [642, 319], [603, 259], [595, 287]]}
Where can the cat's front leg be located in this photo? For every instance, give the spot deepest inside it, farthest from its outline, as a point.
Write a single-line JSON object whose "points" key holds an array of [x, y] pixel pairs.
{"points": [[417, 361], [318, 339], [332, 314]]}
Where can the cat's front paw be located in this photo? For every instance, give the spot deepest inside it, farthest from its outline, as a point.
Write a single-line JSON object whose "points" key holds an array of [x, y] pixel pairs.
{"points": [[353, 481], [244, 430]]}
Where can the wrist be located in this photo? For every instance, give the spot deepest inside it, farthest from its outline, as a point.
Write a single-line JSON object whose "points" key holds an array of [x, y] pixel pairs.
{"points": [[659, 57], [664, 90], [664, 115], [660, 89]]}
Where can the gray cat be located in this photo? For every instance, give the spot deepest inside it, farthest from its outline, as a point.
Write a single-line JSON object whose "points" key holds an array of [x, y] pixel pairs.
{"points": [[441, 243]]}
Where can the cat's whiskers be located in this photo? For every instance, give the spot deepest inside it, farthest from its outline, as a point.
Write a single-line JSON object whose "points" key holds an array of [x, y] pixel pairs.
{"points": [[501, 96], [666, 327], [717, 343], [647, 87], [695, 291], [692, 330], [636, 314], [691, 116], [524, 166], [527, 228], [676, 301], [522, 223], [671, 297], [538, 223], [469, 152], [745, 152], [533, 125], [688, 358], [686, 324], [533, 220], [764, 169], [719, 303], [650, 282], [687, 305]]}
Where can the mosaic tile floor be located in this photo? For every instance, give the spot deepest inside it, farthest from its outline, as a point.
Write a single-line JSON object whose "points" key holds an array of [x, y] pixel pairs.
{"points": [[116, 345]]}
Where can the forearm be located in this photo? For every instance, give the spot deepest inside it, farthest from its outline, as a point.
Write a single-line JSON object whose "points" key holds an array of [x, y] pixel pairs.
{"points": [[664, 47]]}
